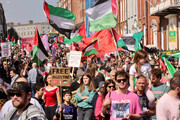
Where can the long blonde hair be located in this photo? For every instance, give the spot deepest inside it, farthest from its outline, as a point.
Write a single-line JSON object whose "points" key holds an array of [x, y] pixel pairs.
{"points": [[140, 54]]}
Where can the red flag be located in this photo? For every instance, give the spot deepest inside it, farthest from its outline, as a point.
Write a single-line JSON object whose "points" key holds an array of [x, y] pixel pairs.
{"points": [[105, 41], [56, 39], [8, 37], [61, 39], [1, 40], [162, 65], [82, 31], [12, 39], [55, 45], [116, 36]]}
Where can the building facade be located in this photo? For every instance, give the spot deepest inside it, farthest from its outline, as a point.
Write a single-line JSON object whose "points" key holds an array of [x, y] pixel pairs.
{"points": [[169, 14], [77, 7], [28, 30], [3, 26]]}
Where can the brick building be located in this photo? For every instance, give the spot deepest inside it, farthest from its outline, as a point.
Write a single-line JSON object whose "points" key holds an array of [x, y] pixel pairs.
{"points": [[77, 7], [169, 25]]}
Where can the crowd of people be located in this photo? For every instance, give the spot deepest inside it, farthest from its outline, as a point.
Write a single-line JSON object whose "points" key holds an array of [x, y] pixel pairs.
{"points": [[124, 87]]}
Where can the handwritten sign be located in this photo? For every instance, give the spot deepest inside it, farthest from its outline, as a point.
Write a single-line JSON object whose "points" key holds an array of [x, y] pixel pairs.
{"points": [[60, 76], [74, 58], [5, 49]]}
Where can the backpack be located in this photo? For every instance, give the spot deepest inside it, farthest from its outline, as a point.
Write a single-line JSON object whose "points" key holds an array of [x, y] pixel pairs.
{"points": [[39, 77]]}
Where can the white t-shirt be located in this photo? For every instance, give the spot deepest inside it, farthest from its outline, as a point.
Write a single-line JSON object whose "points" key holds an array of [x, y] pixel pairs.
{"points": [[168, 108], [144, 70]]}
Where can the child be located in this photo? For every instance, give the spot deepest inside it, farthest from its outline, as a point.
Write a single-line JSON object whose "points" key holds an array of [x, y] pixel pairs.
{"points": [[39, 91], [69, 111]]}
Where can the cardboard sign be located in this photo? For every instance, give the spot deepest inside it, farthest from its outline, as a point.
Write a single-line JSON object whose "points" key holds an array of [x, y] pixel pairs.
{"points": [[5, 49], [75, 58], [60, 76]]}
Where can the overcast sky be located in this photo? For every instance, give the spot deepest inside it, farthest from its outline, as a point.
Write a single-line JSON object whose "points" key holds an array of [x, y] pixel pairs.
{"points": [[24, 10]]}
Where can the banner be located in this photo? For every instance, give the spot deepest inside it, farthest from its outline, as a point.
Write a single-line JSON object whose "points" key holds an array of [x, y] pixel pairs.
{"points": [[172, 36], [60, 76], [5, 49], [74, 58]]}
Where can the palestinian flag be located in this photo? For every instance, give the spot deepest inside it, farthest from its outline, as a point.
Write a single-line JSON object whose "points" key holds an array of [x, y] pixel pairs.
{"points": [[39, 52], [60, 19], [91, 48], [130, 42], [12, 41], [102, 15], [75, 36], [8, 37]]}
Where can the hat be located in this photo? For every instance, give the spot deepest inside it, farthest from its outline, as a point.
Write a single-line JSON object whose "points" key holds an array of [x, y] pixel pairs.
{"points": [[20, 86], [100, 85], [80, 73], [102, 68]]}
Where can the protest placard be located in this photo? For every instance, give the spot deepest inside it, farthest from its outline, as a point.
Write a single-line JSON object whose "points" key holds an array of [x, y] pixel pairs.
{"points": [[60, 76], [5, 49], [74, 58]]}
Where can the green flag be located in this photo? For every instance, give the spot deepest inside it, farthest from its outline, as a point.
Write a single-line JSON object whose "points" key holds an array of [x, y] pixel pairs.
{"points": [[170, 68]]}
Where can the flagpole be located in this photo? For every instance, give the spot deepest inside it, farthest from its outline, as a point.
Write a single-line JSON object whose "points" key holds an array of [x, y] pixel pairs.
{"points": [[114, 42]]}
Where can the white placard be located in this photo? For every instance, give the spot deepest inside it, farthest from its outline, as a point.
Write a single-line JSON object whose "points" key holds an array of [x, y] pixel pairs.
{"points": [[5, 49], [75, 58]]}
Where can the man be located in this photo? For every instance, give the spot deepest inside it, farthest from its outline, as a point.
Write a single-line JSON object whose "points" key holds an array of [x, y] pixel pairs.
{"points": [[9, 106], [148, 106], [13, 76], [32, 76], [168, 106], [124, 104], [158, 88], [20, 94], [112, 75]]}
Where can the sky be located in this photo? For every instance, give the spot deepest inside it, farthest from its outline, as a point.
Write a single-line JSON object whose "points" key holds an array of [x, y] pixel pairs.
{"points": [[24, 10]]}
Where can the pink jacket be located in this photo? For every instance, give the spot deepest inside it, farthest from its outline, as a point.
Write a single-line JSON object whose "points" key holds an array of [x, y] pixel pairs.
{"points": [[98, 108]]}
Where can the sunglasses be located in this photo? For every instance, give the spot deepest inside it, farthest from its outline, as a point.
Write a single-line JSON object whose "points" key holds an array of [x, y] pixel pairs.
{"points": [[112, 86], [119, 80], [17, 94]]}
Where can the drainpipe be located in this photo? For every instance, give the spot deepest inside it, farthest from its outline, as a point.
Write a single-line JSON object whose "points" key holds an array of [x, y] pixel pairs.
{"points": [[127, 16], [147, 22]]}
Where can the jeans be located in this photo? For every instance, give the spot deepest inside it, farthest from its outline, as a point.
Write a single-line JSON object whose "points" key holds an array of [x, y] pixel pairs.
{"points": [[32, 91], [50, 111], [85, 113]]}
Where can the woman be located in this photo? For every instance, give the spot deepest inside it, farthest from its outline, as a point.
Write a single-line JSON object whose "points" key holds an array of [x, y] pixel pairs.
{"points": [[108, 86], [51, 94], [140, 66], [84, 98]]}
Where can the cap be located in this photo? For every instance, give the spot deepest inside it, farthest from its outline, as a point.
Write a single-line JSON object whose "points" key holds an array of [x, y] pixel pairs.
{"points": [[20, 86], [80, 73]]}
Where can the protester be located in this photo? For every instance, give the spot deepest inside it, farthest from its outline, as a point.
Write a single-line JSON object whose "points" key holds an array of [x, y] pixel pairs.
{"points": [[39, 91], [140, 66], [20, 94], [69, 111], [32, 76], [158, 88], [108, 86], [124, 104], [148, 106], [84, 98], [9, 106], [168, 106], [51, 95], [13, 76]]}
